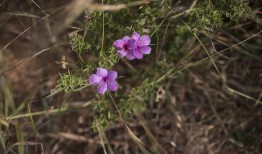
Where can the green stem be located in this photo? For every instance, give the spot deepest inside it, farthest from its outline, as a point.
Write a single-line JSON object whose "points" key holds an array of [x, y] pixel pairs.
{"points": [[51, 111], [103, 31]]}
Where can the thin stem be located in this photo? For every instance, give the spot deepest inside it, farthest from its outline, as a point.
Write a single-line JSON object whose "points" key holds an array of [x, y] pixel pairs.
{"points": [[116, 107], [63, 109], [103, 30]]}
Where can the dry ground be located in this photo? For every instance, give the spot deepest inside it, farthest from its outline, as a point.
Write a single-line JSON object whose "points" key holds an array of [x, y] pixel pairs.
{"points": [[197, 115]]}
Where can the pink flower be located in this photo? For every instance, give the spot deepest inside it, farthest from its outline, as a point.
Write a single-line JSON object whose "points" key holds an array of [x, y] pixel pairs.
{"points": [[104, 79], [125, 47], [141, 45]]}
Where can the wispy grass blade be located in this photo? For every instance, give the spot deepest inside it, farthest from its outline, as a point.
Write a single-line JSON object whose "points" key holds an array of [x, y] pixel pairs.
{"points": [[139, 143], [31, 117], [155, 144], [2, 141], [51, 111], [20, 138]]}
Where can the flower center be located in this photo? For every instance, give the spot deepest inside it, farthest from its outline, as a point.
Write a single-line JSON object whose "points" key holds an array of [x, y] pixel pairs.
{"points": [[126, 47], [104, 79]]}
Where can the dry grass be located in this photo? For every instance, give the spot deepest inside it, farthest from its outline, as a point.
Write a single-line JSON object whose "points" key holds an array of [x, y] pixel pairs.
{"points": [[201, 111]]}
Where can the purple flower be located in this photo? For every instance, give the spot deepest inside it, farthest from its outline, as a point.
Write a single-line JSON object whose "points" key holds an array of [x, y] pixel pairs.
{"points": [[104, 79], [141, 45], [125, 47]]}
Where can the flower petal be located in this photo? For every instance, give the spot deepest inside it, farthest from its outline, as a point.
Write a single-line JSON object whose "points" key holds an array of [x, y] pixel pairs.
{"points": [[144, 40], [94, 79], [136, 36], [130, 56], [122, 53], [145, 49], [101, 72], [138, 54], [119, 43], [126, 38], [131, 44], [111, 76], [112, 85], [102, 87]]}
